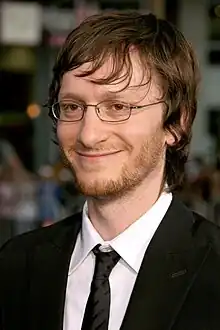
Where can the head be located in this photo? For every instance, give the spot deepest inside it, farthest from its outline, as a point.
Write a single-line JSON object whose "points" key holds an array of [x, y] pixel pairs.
{"points": [[129, 61]]}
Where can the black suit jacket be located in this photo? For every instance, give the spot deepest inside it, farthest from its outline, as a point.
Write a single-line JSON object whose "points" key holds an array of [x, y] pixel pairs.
{"points": [[177, 288]]}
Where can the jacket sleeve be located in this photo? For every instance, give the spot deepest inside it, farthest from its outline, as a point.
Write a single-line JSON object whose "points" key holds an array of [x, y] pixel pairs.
{"points": [[3, 276], [12, 283]]}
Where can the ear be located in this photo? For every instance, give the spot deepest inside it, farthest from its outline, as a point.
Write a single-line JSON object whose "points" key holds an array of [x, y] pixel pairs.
{"points": [[175, 132], [170, 139]]}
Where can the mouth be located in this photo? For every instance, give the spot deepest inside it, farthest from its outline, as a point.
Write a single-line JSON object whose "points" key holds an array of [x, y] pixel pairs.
{"points": [[97, 155]]}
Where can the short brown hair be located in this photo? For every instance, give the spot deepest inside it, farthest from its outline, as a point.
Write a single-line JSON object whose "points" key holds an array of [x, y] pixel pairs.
{"points": [[161, 47]]}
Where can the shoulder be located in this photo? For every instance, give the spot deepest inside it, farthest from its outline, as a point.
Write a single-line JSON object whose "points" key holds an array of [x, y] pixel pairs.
{"points": [[26, 242], [18, 255], [206, 230], [195, 228]]}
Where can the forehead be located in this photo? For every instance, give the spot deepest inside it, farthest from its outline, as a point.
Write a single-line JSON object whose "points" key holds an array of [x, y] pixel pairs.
{"points": [[142, 79]]}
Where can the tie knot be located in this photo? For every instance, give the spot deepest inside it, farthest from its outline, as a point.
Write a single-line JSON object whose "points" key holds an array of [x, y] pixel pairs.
{"points": [[105, 262]]}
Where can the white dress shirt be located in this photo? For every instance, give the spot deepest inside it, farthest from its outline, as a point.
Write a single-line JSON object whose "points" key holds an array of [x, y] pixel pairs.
{"points": [[131, 245]]}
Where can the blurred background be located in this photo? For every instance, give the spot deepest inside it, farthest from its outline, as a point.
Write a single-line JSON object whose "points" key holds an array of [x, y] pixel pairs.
{"points": [[35, 189]]}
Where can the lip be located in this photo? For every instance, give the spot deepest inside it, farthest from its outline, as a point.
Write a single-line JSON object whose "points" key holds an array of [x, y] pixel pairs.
{"points": [[93, 155]]}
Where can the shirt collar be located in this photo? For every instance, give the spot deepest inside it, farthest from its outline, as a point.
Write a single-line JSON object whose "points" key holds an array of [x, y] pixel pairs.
{"points": [[138, 235], [87, 239]]}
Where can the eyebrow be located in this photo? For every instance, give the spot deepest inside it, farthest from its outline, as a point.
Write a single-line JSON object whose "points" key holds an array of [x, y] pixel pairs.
{"points": [[105, 95]]}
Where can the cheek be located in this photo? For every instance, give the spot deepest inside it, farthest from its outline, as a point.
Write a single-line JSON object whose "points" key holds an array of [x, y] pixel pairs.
{"points": [[59, 132], [139, 132], [147, 137], [66, 134]]}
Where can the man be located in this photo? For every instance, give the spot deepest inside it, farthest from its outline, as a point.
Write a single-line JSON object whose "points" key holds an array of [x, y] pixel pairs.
{"points": [[123, 99]]}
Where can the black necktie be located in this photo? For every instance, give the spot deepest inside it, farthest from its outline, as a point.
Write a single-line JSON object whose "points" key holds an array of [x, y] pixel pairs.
{"points": [[96, 315]]}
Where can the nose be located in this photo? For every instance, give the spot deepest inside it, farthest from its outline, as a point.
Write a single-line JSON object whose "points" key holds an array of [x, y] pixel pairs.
{"points": [[92, 130]]}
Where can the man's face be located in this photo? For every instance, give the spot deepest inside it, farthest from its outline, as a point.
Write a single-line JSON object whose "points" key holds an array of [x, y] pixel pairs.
{"points": [[109, 159]]}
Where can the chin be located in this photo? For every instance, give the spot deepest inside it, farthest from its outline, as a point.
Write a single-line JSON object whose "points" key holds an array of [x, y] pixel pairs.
{"points": [[98, 187]]}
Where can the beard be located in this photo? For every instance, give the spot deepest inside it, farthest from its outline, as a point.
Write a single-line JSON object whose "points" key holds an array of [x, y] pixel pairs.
{"points": [[150, 158]]}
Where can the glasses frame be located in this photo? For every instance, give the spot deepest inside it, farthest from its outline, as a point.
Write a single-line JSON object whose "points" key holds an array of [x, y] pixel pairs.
{"points": [[85, 107]]}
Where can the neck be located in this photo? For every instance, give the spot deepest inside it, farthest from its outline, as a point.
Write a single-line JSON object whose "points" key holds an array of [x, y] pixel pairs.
{"points": [[112, 217]]}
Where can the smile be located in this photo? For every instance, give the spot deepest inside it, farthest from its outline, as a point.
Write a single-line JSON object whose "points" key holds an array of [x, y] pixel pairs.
{"points": [[97, 155]]}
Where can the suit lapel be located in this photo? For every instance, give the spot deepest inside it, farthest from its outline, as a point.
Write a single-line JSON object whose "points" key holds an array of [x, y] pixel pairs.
{"points": [[48, 276], [168, 270]]}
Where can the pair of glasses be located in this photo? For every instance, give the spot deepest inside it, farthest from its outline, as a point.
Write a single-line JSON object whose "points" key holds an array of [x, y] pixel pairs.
{"points": [[108, 111]]}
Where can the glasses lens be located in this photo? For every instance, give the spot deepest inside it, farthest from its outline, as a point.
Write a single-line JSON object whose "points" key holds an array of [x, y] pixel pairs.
{"points": [[114, 111], [68, 111]]}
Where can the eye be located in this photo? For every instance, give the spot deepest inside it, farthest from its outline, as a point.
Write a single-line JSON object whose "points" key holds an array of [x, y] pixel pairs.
{"points": [[70, 106], [118, 106]]}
